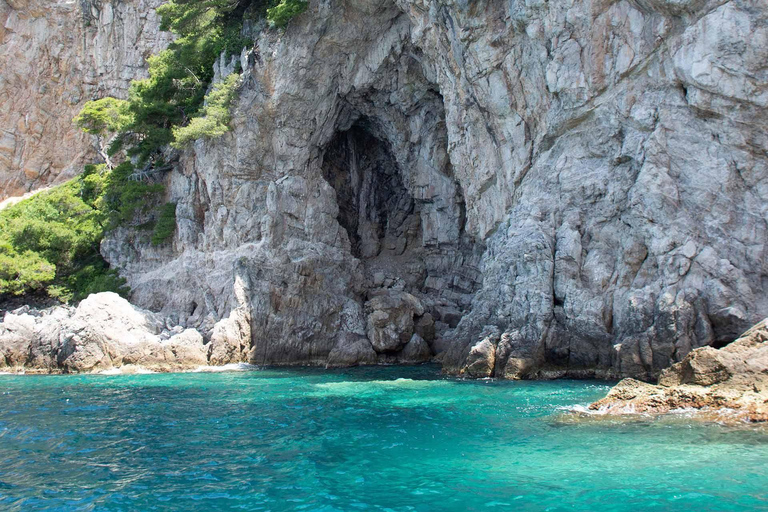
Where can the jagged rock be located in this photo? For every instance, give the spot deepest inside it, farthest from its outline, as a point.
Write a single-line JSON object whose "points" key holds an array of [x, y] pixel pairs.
{"points": [[596, 199], [415, 351], [448, 315], [16, 332], [584, 177], [390, 321], [425, 327], [481, 359], [702, 367], [104, 331], [351, 350], [482, 356], [732, 379], [231, 339]]}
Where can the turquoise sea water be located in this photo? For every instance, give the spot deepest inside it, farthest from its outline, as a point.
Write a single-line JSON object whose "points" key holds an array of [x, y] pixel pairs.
{"points": [[400, 439]]}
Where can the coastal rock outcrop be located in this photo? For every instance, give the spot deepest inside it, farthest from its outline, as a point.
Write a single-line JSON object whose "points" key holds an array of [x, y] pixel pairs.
{"points": [[515, 189], [565, 188], [104, 331], [54, 56], [733, 378]]}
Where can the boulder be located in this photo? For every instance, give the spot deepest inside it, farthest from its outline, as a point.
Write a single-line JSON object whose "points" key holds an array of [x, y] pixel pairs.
{"points": [[104, 331], [415, 351], [390, 322], [350, 350]]}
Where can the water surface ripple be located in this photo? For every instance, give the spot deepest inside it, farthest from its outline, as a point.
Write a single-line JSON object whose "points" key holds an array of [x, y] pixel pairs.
{"points": [[390, 439]]}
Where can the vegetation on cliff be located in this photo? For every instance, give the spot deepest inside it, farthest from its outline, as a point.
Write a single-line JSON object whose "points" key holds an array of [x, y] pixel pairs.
{"points": [[177, 103], [215, 114], [165, 225], [283, 11], [50, 242]]}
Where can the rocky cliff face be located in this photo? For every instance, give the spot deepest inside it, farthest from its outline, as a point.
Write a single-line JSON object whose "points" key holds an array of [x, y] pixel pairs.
{"points": [[55, 55], [520, 189]]}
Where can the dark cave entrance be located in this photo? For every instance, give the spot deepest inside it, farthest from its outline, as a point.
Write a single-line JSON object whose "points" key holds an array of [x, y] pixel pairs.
{"points": [[381, 217], [403, 213]]}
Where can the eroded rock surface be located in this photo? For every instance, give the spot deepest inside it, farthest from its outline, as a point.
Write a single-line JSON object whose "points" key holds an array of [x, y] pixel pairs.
{"points": [[734, 378], [564, 188], [567, 188], [54, 56], [105, 331]]}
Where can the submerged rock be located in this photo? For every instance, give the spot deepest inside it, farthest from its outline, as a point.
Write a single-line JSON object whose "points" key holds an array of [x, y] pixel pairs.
{"points": [[734, 377]]}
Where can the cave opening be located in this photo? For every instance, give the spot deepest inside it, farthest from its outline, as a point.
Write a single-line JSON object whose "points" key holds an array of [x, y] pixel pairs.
{"points": [[377, 211], [375, 207], [404, 219]]}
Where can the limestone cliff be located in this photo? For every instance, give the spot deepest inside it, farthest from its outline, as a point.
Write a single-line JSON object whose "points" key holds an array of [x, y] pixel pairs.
{"points": [[516, 188], [530, 188], [54, 56]]}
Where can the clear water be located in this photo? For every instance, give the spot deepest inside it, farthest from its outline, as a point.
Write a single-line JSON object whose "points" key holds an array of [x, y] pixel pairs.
{"points": [[362, 439]]}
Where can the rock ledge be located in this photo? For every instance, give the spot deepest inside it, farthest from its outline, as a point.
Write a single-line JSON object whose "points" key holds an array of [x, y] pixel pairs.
{"points": [[734, 378]]}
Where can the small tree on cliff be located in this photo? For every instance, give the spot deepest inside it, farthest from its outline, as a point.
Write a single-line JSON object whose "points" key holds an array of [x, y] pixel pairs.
{"points": [[106, 118]]}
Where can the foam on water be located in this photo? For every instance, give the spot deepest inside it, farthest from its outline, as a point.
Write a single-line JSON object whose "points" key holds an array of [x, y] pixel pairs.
{"points": [[231, 367], [126, 370]]}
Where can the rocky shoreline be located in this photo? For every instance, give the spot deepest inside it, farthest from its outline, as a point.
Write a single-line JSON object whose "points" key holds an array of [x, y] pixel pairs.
{"points": [[733, 379], [106, 332], [515, 189]]}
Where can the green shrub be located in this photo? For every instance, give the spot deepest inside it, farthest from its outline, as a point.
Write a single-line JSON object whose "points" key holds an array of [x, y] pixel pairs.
{"points": [[107, 115], [283, 12], [174, 93], [23, 272], [55, 224], [123, 197], [215, 116], [165, 225], [93, 278], [170, 106], [51, 240]]}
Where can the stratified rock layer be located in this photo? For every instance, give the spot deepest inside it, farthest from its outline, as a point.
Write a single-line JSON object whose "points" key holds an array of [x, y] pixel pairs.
{"points": [[563, 188], [54, 56], [734, 378]]}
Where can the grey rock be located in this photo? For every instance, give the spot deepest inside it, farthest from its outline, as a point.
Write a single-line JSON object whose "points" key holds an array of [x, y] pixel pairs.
{"points": [[585, 179], [390, 321], [351, 350], [481, 359], [103, 332], [415, 351], [425, 327], [729, 384]]}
